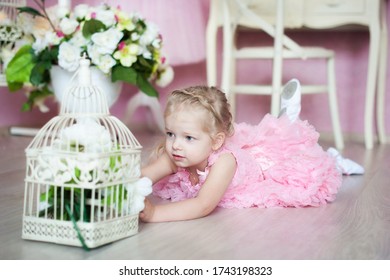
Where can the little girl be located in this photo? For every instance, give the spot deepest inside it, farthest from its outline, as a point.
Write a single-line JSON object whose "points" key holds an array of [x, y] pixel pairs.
{"points": [[207, 161]]}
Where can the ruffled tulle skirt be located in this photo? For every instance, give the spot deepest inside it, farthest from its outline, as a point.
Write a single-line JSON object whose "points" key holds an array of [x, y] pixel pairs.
{"points": [[280, 164]]}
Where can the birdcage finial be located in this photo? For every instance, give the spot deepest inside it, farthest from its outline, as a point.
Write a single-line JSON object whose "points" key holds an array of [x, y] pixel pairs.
{"points": [[84, 74], [84, 97]]}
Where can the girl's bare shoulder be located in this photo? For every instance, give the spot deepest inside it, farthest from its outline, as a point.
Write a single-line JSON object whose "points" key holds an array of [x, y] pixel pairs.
{"points": [[226, 162]]}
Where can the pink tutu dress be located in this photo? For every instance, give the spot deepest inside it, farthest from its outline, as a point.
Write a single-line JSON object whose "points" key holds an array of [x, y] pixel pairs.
{"points": [[279, 164]]}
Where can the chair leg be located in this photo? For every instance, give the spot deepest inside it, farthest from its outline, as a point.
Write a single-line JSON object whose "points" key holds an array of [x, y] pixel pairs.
{"points": [[232, 93], [227, 49], [211, 46], [338, 135], [228, 63], [278, 60], [380, 102]]}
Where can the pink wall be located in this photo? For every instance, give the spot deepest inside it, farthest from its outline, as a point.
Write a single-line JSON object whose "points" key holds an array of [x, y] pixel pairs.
{"points": [[183, 25]]}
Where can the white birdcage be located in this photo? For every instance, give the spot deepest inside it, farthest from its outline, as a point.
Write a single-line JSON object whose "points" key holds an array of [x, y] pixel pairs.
{"points": [[82, 172]]}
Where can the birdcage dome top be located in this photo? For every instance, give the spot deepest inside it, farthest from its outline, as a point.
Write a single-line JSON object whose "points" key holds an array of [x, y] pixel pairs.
{"points": [[84, 124]]}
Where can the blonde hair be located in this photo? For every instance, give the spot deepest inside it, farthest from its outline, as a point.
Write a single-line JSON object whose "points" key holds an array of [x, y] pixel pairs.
{"points": [[212, 100]]}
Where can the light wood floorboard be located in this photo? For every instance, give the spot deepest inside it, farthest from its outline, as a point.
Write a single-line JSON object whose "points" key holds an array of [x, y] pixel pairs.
{"points": [[355, 226]]}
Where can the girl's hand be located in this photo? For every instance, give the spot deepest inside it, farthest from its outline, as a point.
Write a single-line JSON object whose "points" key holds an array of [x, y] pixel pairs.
{"points": [[146, 215], [213, 189]]}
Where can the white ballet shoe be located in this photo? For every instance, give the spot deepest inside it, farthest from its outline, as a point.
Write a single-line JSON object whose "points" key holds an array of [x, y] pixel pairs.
{"points": [[344, 165], [290, 103]]}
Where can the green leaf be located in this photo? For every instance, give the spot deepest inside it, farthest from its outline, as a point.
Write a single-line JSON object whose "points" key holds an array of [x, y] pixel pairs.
{"points": [[130, 75], [121, 190], [53, 54], [146, 87], [49, 54], [146, 65], [92, 26], [126, 74], [77, 172], [40, 73], [112, 162], [19, 68], [14, 86], [47, 195], [79, 234], [30, 11], [26, 107]]}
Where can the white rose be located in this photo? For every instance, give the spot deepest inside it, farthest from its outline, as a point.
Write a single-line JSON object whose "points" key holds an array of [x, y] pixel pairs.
{"points": [[135, 36], [39, 45], [150, 35], [62, 12], [107, 40], [136, 193], [51, 38], [68, 26], [166, 77], [105, 16], [144, 51], [156, 43], [69, 56], [78, 39], [94, 54], [81, 11], [105, 64], [89, 133]]}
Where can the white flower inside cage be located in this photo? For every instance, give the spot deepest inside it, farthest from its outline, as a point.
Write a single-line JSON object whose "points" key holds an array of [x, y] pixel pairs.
{"points": [[87, 137]]}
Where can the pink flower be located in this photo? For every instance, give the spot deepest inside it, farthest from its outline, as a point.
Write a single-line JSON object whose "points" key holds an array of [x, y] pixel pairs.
{"points": [[60, 33], [121, 45]]}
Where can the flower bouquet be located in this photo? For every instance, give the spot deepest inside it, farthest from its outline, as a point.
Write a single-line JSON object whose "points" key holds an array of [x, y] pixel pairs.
{"points": [[123, 46]]}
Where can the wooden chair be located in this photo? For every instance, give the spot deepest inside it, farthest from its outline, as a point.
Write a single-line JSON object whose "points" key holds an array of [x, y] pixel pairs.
{"points": [[243, 13]]}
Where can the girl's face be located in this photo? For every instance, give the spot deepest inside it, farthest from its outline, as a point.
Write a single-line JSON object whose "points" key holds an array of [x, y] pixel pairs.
{"points": [[187, 142]]}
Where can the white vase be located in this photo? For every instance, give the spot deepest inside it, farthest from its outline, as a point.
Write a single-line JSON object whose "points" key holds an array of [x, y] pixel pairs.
{"points": [[61, 81]]}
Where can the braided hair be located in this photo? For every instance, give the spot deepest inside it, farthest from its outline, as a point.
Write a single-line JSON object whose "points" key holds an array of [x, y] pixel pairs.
{"points": [[211, 99]]}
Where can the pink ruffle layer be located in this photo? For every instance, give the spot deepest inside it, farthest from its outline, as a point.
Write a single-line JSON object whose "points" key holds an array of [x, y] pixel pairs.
{"points": [[280, 164]]}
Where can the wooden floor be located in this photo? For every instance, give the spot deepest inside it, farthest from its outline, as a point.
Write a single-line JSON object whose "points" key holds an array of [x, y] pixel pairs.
{"points": [[355, 226]]}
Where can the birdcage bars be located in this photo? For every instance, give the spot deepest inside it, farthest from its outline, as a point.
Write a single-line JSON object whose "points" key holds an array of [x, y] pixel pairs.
{"points": [[90, 188], [80, 170]]}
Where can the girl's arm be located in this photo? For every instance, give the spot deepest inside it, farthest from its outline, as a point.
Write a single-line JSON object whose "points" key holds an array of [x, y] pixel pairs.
{"points": [[159, 168], [217, 181]]}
